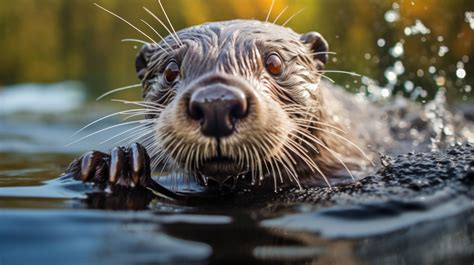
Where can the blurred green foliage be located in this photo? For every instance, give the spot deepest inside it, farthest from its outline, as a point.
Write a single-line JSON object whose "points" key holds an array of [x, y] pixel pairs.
{"points": [[52, 40]]}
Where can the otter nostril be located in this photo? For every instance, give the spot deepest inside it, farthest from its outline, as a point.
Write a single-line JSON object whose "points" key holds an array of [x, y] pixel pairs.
{"points": [[239, 108], [194, 110], [218, 107]]}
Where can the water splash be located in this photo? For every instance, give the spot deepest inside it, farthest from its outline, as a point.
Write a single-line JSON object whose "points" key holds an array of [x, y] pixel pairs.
{"points": [[418, 28], [469, 18]]}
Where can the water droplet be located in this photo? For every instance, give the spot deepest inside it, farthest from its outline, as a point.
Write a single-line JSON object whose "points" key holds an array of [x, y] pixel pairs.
{"points": [[469, 18], [399, 68], [440, 38], [391, 75], [367, 56], [442, 50], [440, 81], [409, 85], [391, 16], [407, 31], [420, 73], [418, 28], [465, 59], [468, 88], [397, 50], [461, 73], [423, 93], [381, 42], [432, 69]]}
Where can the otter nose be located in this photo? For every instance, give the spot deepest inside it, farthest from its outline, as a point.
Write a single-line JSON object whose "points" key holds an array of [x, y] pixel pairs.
{"points": [[217, 107]]}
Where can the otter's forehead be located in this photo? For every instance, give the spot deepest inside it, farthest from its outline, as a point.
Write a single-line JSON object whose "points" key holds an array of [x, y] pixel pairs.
{"points": [[231, 44], [243, 28]]}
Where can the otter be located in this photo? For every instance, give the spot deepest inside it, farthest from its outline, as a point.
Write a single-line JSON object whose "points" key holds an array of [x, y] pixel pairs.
{"points": [[241, 99]]}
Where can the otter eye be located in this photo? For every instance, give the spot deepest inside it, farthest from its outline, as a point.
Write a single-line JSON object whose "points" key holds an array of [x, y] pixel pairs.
{"points": [[273, 64], [171, 72]]}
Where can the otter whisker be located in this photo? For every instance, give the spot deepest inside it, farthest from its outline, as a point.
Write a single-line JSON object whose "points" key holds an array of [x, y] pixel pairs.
{"points": [[267, 142], [341, 72], [252, 165], [270, 11], [165, 159], [197, 157], [187, 152], [305, 158], [169, 22], [178, 148], [287, 163], [272, 172], [158, 157], [106, 117], [258, 160], [146, 104], [163, 24], [280, 14], [156, 32], [141, 114], [317, 53], [145, 133], [290, 18], [267, 149], [147, 140], [351, 143], [317, 141], [278, 169], [276, 140], [124, 132], [300, 151], [117, 90], [290, 169], [328, 78], [108, 128], [135, 40], [124, 20], [305, 124]]}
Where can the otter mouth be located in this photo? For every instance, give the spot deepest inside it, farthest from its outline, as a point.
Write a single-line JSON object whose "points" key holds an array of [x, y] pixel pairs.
{"points": [[220, 167]]}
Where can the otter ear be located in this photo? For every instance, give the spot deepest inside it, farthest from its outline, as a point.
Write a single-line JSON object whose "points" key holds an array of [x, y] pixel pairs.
{"points": [[318, 46], [141, 61]]}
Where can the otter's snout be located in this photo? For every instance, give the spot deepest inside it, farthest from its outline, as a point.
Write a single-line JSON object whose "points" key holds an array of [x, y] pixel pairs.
{"points": [[217, 107]]}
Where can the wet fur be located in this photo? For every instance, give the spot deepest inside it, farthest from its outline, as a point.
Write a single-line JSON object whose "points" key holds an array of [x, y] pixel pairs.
{"points": [[294, 128]]}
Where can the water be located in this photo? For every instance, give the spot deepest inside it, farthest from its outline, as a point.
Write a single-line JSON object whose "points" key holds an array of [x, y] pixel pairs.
{"points": [[49, 220], [419, 49]]}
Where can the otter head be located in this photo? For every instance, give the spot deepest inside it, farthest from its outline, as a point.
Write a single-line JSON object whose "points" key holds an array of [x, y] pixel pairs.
{"points": [[232, 98]]}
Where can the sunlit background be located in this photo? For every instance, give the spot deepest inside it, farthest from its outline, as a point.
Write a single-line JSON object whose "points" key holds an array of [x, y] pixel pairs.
{"points": [[411, 47]]}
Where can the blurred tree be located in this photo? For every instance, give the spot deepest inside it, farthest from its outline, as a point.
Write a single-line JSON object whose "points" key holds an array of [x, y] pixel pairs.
{"points": [[51, 40]]}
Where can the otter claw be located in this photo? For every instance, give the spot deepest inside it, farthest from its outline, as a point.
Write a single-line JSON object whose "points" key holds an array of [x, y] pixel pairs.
{"points": [[93, 166], [123, 167]]}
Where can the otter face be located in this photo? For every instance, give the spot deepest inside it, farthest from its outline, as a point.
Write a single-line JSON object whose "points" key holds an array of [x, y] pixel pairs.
{"points": [[230, 94]]}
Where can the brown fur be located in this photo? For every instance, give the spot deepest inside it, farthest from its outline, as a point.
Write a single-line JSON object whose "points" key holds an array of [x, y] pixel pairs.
{"points": [[291, 132]]}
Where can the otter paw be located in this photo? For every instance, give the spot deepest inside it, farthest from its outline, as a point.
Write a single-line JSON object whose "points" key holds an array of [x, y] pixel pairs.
{"points": [[123, 167]]}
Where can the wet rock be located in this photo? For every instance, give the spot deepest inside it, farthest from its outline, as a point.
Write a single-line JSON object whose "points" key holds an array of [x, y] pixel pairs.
{"points": [[405, 177]]}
